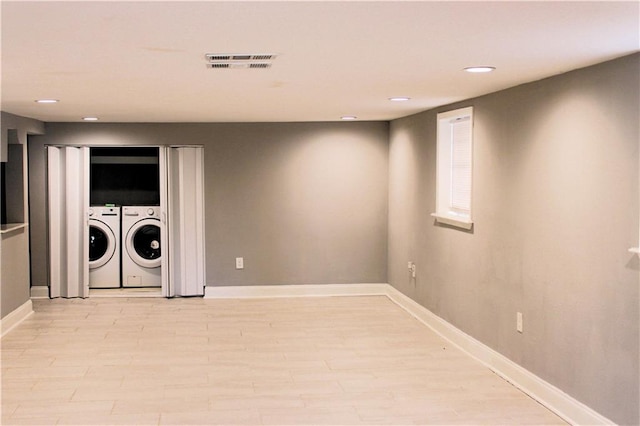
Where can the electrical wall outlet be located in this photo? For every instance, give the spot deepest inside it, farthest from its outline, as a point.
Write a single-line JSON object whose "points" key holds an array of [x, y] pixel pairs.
{"points": [[519, 322], [239, 262], [412, 268]]}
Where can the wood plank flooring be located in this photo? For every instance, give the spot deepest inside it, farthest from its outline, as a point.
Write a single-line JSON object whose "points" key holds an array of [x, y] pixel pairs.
{"points": [[333, 360]]}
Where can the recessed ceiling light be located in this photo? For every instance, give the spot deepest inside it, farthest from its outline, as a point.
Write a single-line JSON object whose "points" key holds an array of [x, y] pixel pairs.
{"points": [[399, 98], [90, 118], [479, 69], [348, 117], [47, 101]]}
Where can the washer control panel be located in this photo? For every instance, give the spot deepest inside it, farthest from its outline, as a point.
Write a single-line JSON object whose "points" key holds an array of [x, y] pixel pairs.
{"points": [[142, 211]]}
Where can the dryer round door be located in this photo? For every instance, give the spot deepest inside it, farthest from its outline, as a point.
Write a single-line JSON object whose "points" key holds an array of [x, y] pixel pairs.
{"points": [[102, 243], [143, 243]]}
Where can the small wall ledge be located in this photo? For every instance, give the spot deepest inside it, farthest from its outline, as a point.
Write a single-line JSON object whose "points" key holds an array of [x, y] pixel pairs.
{"points": [[10, 227], [452, 221]]}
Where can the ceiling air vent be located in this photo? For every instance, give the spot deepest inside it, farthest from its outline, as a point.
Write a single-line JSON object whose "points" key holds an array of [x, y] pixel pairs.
{"points": [[239, 65], [264, 57], [211, 58], [239, 60]]}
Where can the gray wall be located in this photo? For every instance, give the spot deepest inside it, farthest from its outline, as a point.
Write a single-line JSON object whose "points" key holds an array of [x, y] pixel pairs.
{"points": [[555, 211], [14, 274], [303, 203], [14, 245]]}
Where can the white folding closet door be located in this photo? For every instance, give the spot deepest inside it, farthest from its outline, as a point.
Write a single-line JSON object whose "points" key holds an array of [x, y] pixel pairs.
{"points": [[68, 198], [184, 216]]}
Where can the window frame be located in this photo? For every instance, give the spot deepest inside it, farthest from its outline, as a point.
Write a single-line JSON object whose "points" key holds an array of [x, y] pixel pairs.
{"points": [[445, 212]]}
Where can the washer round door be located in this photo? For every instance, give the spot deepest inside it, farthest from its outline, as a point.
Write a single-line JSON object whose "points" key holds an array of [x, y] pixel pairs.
{"points": [[143, 243], [102, 244]]}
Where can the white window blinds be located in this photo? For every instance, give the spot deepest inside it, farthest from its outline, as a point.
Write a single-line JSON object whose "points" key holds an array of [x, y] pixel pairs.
{"points": [[461, 165]]}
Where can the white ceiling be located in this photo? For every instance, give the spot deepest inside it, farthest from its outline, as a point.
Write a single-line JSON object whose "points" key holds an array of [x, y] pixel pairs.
{"points": [[144, 61]]}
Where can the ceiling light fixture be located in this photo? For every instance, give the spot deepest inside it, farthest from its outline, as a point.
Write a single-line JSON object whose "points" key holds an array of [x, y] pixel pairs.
{"points": [[479, 69], [348, 117], [90, 118], [399, 99], [47, 101]]}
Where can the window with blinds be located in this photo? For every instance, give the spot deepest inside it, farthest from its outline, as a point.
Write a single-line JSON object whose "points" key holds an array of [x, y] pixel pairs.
{"points": [[455, 168], [461, 165]]}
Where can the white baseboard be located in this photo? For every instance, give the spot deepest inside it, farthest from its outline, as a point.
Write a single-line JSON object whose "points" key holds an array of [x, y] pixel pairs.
{"points": [[16, 317], [554, 399], [40, 292], [311, 290], [565, 406]]}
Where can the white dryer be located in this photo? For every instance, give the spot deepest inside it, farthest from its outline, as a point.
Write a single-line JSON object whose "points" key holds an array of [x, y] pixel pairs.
{"points": [[104, 247], [141, 253]]}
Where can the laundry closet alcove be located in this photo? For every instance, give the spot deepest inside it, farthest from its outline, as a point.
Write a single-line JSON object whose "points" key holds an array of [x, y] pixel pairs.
{"points": [[180, 216]]}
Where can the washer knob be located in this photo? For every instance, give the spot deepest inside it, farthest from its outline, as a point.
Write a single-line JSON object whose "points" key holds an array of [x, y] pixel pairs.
{"points": [[90, 212], [150, 212]]}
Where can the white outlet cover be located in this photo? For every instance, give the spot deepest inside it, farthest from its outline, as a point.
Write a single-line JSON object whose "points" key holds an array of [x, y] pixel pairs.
{"points": [[519, 327], [239, 263]]}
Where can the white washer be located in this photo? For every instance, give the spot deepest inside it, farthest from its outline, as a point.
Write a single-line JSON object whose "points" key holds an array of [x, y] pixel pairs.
{"points": [[104, 247], [141, 246]]}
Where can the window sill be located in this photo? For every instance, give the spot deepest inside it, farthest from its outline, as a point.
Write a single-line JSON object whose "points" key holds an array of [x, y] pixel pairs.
{"points": [[9, 227], [457, 222]]}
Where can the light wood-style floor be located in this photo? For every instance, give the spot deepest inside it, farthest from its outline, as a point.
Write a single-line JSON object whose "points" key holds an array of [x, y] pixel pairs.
{"points": [[333, 360]]}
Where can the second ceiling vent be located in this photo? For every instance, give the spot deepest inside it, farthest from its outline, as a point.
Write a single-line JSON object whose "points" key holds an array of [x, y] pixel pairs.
{"points": [[239, 60]]}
